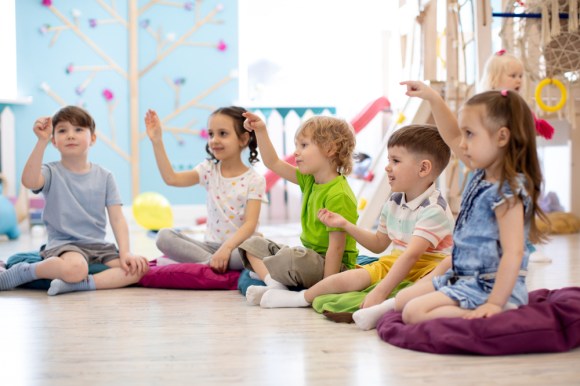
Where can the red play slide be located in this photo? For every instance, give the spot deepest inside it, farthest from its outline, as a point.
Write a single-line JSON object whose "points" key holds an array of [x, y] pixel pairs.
{"points": [[359, 122]]}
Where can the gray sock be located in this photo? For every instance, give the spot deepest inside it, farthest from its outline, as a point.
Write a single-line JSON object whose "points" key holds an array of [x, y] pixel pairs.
{"points": [[58, 286], [17, 275]]}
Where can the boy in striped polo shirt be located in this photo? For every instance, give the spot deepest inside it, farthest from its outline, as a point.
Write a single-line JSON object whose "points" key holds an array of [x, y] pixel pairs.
{"points": [[415, 223]]}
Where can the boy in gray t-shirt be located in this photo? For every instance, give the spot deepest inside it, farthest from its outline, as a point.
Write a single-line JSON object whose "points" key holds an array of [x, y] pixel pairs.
{"points": [[79, 195]]}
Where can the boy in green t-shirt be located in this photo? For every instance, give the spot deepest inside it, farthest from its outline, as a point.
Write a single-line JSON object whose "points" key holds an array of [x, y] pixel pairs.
{"points": [[324, 150], [415, 225]]}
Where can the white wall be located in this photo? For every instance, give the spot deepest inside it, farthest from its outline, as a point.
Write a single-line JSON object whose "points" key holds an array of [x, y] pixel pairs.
{"points": [[8, 89], [321, 52]]}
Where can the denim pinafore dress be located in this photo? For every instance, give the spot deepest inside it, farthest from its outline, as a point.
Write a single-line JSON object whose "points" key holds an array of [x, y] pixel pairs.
{"points": [[477, 250]]}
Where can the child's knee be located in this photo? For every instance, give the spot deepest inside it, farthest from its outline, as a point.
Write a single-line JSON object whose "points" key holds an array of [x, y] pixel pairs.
{"points": [[135, 277], [410, 312], [164, 239], [75, 271]]}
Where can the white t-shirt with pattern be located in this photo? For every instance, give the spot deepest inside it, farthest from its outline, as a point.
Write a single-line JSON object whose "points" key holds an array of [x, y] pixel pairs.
{"points": [[227, 198]]}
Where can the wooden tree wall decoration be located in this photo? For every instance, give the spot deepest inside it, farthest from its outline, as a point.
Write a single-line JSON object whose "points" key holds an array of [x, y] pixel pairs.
{"points": [[165, 45]]}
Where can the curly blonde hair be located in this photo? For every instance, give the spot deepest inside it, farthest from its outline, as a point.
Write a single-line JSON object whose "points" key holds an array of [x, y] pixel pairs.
{"points": [[333, 136]]}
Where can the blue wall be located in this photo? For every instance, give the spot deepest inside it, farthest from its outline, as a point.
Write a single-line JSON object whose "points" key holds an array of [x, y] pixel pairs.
{"points": [[201, 66]]}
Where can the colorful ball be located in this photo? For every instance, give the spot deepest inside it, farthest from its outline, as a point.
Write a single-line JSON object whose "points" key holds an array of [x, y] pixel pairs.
{"points": [[152, 211]]}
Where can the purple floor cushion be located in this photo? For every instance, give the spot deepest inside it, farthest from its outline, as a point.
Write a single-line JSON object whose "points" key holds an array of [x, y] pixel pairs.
{"points": [[549, 323], [189, 276]]}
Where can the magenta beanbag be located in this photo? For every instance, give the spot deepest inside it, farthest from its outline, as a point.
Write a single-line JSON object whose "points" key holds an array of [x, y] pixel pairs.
{"points": [[549, 323], [189, 276]]}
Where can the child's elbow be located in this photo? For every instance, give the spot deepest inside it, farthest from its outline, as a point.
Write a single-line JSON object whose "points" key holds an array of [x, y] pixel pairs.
{"points": [[30, 184]]}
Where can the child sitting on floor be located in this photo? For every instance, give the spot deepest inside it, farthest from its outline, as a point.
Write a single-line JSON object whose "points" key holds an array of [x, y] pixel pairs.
{"points": [[415, 220], [495, 136], [324, 148], [235, 191], [79, 195]]}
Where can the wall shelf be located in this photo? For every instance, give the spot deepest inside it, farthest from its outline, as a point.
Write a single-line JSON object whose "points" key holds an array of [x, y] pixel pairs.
{"points": [[16, 101]]}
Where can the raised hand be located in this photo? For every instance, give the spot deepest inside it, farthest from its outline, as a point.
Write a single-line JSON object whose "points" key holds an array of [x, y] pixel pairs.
{"points": [[153, 126], [43, 128], [419, 90], [253, 122]]}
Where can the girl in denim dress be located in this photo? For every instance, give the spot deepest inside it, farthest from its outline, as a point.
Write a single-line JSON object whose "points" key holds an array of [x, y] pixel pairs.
{"points": [[495, 136]]}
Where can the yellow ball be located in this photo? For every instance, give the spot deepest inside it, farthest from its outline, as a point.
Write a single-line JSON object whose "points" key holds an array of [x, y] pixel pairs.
{"points": [[152, 211]]}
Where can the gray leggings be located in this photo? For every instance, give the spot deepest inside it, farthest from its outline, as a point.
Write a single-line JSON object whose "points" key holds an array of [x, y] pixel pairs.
{"points": [[183, 249]]}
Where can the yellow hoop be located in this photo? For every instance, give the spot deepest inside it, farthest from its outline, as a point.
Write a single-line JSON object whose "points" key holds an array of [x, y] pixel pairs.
{"points": [[538, 95]]}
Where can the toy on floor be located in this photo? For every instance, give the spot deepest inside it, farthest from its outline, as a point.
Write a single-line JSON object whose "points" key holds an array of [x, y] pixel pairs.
{"points": [[152, 211]]}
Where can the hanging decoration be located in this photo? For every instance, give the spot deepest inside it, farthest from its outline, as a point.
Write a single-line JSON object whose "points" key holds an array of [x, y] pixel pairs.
{"points": [[545, 33], [166, 43]]}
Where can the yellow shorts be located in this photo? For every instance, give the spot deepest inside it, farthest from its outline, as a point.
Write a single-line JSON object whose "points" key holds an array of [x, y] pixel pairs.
{"points": [[426, 263]]}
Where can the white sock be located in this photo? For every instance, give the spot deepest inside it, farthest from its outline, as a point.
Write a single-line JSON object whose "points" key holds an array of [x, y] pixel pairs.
{"points": [[278, 298], [273, 284], [254, 275], [367, 318], [254, 293]]}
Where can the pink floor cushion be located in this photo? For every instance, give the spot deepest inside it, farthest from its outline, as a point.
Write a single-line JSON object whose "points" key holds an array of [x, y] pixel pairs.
{"points": [[549, 323], [189, 276]]}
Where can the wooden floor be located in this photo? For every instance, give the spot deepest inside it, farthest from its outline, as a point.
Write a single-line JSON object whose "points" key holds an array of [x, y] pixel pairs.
{"points": [[138, 336]]}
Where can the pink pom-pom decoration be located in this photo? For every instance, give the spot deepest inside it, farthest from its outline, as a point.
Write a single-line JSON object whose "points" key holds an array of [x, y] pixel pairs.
{"points": [[47, 3], [544, 129], [500, 52], [203, 134], [70, 68], [93, 23], [108, 95], [222, 46]]}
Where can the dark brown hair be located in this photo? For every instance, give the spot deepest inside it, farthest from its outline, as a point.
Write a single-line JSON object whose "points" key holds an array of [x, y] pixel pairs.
{"points": [[423, 140], [76, 116], [235, 113]]}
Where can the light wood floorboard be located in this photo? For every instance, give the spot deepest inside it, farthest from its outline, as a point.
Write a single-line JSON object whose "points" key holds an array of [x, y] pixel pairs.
{"points": [[137, 336]]}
